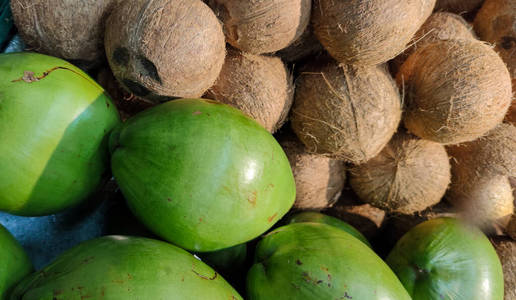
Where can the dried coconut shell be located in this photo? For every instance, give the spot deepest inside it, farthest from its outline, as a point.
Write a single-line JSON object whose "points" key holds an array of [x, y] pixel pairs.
{"points": [[457, 6], [70, 29], [262, 26], [368, 32], [260, 86], [345, 112], [319, 179], [163, 49], [409, 175], [455, 91]]}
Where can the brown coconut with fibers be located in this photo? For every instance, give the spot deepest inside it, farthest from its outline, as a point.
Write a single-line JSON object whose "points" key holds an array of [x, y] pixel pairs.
{"points": [[319, 179], [258, 85], [368, 32], [306, 45], [506, 250], [438, 27], [262, 26], [458, 6], [455, 91], [163, 49], [409, 175], [496, 24], [481, 169], [343, 111], [70, 29]]}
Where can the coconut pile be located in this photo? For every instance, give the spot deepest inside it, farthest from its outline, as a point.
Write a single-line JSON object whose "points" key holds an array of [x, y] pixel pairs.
{"points": [[392, 110]]}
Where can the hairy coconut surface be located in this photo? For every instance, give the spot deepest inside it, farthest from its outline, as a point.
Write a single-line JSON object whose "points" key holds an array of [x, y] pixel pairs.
{"points": [[368, 32], [260, 86], [307, 44], [506, 250], [511, 227], [319, 179], [511, 114], [458, 6], [163, 49], [456, 90], [439, 26], [70, 29], [409, 175], [262, 26], [343, 111]]}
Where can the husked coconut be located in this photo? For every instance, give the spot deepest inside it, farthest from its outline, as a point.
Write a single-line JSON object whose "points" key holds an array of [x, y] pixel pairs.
{"points": [[458, 6], [368, 32], [258, 85], [263, 26], [319, 179], [345, 112], [455, 91], [409, 175], [163, 49]]}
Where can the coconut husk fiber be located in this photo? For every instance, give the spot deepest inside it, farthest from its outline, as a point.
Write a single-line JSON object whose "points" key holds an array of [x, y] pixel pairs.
{"points": [[409, 175], [163, 49], [260, 86], [70, 29], [455, 91], [368, 32], [458, 6], [262, 26], [319, 179], [506, 250], [439, 26], [345, 112]]}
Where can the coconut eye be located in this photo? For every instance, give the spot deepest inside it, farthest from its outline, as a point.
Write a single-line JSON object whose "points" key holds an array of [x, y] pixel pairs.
{"points": [[149, 68], [121, 56]]}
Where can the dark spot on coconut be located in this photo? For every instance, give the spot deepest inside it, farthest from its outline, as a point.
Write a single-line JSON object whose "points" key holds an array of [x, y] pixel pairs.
{"points": [[319, 281], [295, 286], [196, 113], [271, 218], [121, 56], [150, 68], [252, 198], [508, 42], [298, 262], [107, 104], [347, 296], [136, 88], [129, 276], [169, 200], [57, 292]]}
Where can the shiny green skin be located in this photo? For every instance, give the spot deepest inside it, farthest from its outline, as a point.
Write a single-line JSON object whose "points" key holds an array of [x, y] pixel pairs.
{"points": [[316, 217], [444, 259], [53, 134], [122, 268], [201, 174], [316, 261], [14, 263]]}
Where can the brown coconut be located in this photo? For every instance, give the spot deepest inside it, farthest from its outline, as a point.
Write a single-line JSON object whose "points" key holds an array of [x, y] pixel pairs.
{"points": [[511, 227], [306, 45], [319, 180], [343, 111], [368, 32], [258, 85], [506, 250], [262, 26], [455, 91], [458, 6], [439, 26], [163, 49], [409, 175], [70, 29]]}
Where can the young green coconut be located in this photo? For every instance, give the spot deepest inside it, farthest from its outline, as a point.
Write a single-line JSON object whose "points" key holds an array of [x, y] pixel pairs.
{"points": [[456, 90], [368, 33], [260, 86], [163, 49], [439, 26], [70, 29], [409, 175], [345, 112], [319, 179], [262, 26]]}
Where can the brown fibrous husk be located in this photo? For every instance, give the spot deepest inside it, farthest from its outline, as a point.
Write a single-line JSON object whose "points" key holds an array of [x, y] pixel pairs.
{"points": [[164, 49], [409, 175], [262, 26], [455, 91], [258, 85], [343, 111], [368, 33], [307, 44], [506, 250], [71, 29], [458, 6], [439, 26], [319, 180]]}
